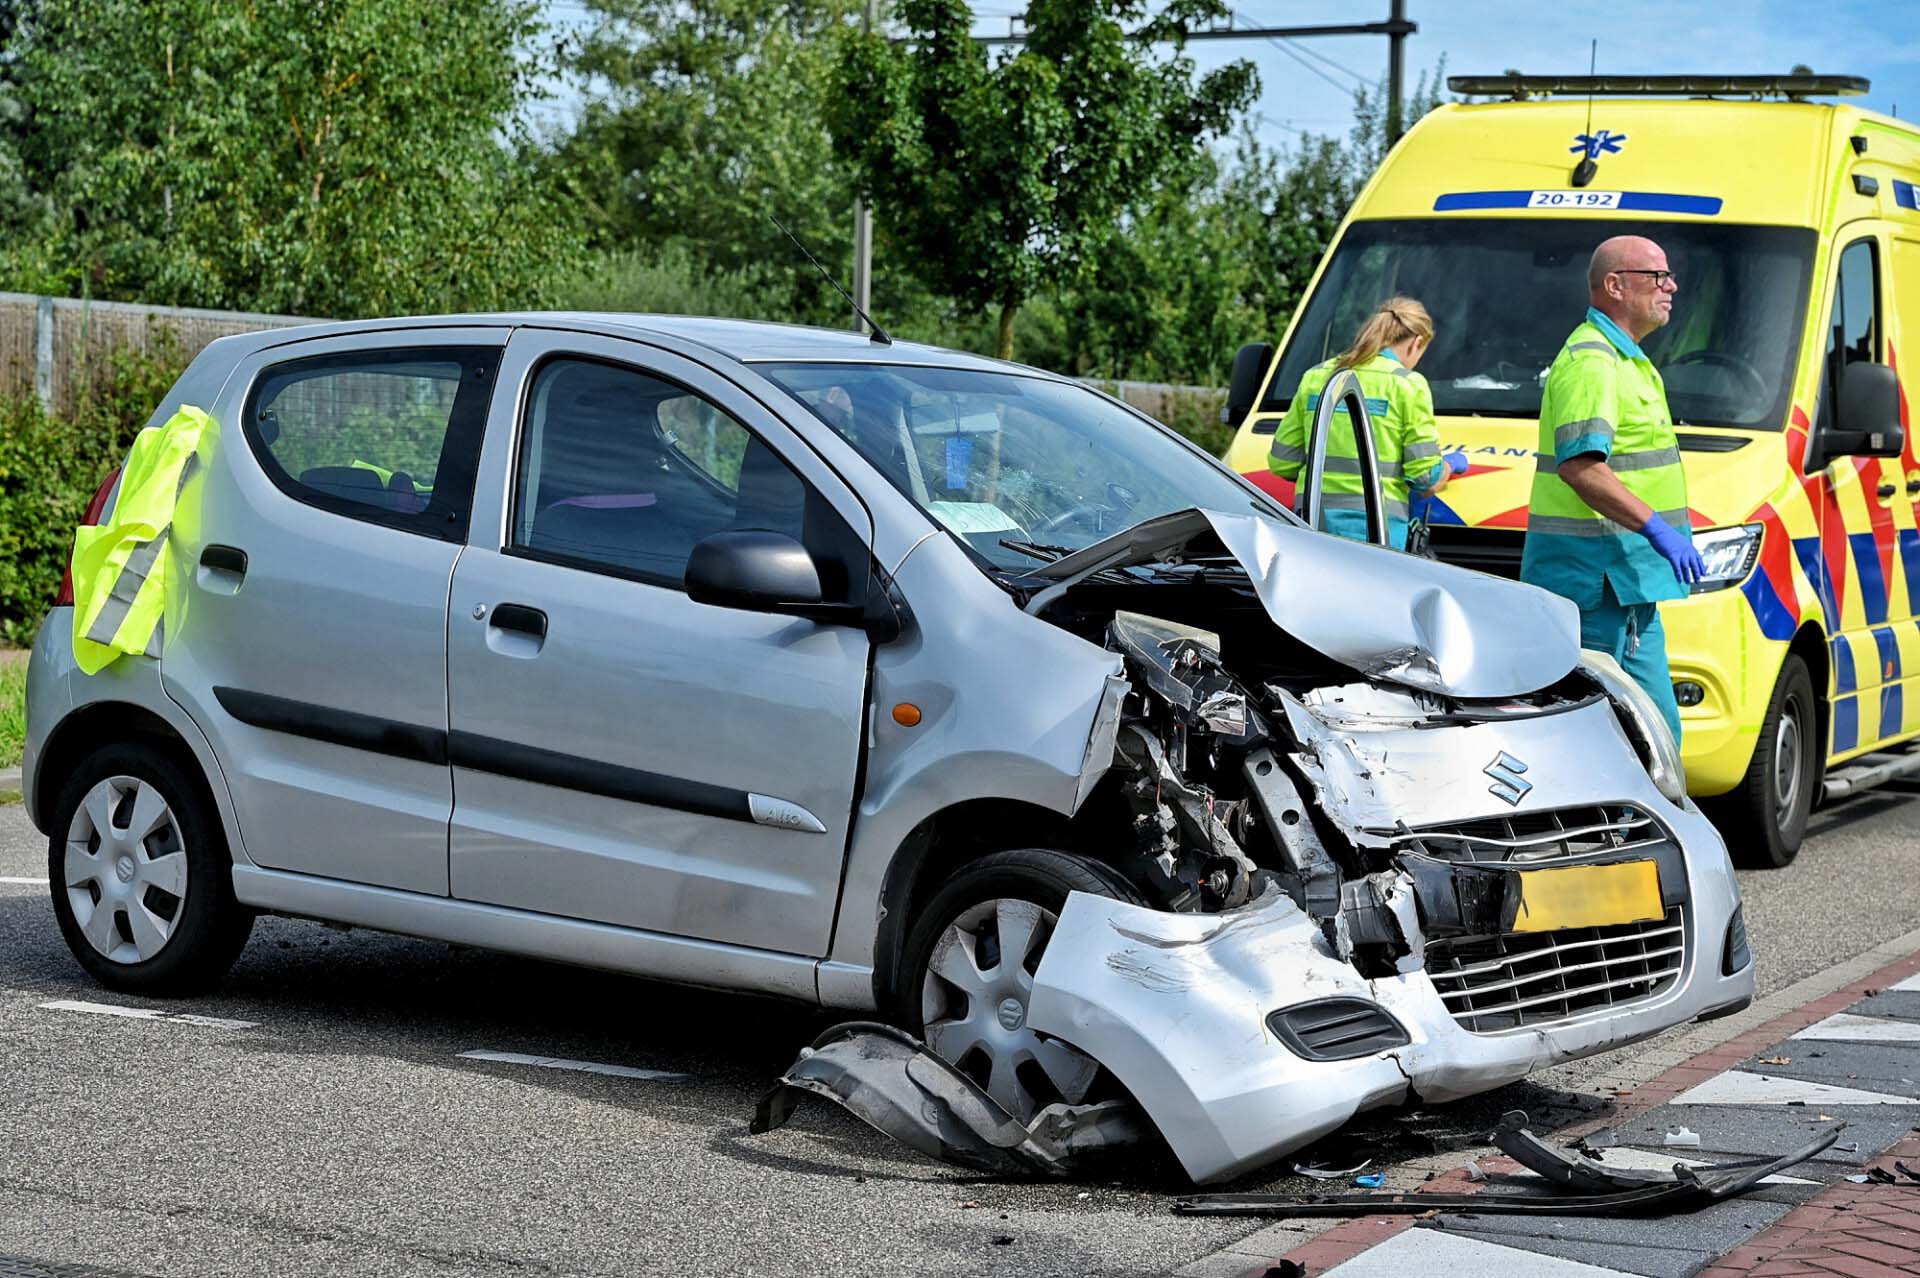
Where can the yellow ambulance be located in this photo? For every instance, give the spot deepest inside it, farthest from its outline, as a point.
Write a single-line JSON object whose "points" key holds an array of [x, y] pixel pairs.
{"points": [[1794, 230]]}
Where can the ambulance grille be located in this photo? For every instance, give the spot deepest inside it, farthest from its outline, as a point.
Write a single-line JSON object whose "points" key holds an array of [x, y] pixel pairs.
{"points": [[1523, 980], [1490, 550], [1533, 837]]}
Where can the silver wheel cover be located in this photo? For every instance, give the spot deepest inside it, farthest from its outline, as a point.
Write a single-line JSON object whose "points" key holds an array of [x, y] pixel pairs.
{"points": [[1787, 748], [126, 870], [973, 1003]]}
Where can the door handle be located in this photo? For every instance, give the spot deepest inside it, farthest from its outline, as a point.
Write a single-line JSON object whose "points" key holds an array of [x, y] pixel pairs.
{"points": [[520, 618], [1888, 490], [224, 559], [1913, 487]]}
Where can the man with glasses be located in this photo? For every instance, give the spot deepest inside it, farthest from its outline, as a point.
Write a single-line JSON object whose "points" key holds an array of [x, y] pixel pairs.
{"points": [[1607, 523]]}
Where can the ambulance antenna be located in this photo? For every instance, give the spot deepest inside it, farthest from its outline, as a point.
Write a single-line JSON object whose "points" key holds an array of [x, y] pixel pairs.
{"points": [[1583, 172], [879, 335]]}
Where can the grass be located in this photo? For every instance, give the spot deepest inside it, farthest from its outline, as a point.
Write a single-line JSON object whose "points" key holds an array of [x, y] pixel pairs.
{"points": [[13, 711]]}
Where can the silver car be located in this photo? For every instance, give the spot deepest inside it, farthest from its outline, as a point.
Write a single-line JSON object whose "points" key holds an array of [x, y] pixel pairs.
{"points": [[882, 677]]}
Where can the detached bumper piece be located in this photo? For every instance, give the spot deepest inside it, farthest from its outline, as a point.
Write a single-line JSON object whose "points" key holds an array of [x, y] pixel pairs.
{"points": [[1589, 1188], [891, 1081]]}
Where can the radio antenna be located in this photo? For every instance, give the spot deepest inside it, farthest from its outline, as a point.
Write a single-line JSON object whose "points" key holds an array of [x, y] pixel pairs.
{"points": [[879, 334], [1583, 172]]}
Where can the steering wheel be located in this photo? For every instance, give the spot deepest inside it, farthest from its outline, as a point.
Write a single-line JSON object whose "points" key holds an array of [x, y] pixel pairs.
{"points": [[1720, 359], [1091, 512]]}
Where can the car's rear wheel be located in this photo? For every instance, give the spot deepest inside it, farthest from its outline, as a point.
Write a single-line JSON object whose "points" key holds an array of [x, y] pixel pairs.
{"points": [[141, 878], [1764, 818], [967, 974]]}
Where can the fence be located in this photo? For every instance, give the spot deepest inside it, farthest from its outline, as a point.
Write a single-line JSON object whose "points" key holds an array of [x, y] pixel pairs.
{"points": [[55, 346]]}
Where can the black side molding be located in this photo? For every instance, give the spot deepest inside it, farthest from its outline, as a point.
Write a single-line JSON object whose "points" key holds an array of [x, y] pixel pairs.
{"points": [[340, 727]]}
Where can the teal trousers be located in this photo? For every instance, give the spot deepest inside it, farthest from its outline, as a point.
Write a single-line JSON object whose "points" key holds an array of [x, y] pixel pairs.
{"points": [[1632, 635]]}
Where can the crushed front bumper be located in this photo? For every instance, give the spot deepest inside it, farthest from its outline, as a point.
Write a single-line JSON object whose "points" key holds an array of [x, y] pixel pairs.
{"points": [[1177, 1006]]}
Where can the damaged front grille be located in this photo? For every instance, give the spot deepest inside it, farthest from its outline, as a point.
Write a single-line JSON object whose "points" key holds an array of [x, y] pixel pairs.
{"points": [[1524, 979], [1533, 837]]}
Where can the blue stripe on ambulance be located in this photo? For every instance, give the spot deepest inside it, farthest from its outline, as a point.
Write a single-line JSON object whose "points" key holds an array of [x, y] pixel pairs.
{"points": [[1891, 709], [1846, 724], [1776, 622], [1807, 551], [1910, 567], [1905, 195], [1630, 202], [1873, 582], [1437, 513]]}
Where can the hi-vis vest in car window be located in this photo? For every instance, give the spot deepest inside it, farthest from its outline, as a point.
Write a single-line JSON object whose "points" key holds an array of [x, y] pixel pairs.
{"points": [[120, 567]]}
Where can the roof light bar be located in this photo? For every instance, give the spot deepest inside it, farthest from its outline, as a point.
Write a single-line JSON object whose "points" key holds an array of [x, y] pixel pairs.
{"points": [[1519, 87]]}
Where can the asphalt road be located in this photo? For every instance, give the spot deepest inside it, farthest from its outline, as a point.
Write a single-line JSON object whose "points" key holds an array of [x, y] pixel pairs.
{"points": [[343, 1131]]}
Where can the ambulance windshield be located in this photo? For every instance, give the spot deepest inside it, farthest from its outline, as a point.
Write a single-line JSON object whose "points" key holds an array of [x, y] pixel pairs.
{"points": [[1505, 293]]}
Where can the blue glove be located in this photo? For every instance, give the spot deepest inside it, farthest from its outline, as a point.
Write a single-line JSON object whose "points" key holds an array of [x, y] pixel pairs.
{"points": [[1676, 547], [1456, 461]]}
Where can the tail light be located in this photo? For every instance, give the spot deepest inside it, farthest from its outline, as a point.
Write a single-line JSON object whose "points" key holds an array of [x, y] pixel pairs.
{"points": [[94, 508]]}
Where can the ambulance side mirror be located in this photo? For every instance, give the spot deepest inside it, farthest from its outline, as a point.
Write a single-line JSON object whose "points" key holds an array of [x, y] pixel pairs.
{"points": [[1243, 385], [1866, 420]]}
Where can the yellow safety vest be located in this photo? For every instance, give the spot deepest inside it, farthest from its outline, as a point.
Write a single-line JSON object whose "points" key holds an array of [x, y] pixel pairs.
{"points": [[120, 567]]}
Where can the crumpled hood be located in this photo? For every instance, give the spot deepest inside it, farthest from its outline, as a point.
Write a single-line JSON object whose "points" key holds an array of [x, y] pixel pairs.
{"points": [[1393, 617]]}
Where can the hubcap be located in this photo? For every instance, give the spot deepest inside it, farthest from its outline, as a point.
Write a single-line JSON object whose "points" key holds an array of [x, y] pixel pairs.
{"points": [[126, 870], [973, 1004], [1786, 764]]}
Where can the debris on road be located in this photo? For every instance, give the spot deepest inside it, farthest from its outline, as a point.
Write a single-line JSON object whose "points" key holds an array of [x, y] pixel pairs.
{"points": [[1331, 1173], [1685, 1138], [894, 1083], [1597, 1189]]}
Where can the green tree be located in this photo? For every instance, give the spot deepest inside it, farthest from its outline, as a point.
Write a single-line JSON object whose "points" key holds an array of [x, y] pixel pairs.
{"points": [[343, 158], [1001, 178]]}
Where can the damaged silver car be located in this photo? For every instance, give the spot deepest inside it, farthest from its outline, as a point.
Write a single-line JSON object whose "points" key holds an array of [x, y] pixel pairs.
{"points": [[884, 677]]}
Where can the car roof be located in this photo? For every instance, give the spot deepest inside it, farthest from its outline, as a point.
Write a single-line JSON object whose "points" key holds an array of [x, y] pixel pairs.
{"points": [[748, 341]]}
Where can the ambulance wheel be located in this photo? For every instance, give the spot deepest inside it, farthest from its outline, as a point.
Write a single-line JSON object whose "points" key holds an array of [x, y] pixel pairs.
{"points": [[142, 881], [967, 974], [1764, 818]]}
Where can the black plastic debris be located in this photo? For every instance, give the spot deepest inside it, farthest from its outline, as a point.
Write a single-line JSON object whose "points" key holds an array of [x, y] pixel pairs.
{"points": [[891, 1081], [1590, 1188]]}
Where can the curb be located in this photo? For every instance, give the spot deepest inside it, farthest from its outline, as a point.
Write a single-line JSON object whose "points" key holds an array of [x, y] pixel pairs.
{"points": [[1638, 1085]]}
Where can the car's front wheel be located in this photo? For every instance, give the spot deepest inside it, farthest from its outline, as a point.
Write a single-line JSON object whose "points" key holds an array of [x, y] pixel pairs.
{"points": [[142, 882], [967, 974]]}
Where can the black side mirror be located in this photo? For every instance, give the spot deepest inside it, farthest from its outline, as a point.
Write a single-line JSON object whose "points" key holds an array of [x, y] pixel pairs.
{"points": [[1243, 386], [757, 571], [1866, 419]]}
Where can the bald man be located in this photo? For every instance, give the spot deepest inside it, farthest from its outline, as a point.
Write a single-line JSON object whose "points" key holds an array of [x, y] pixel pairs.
{"points": [[1607, 523]]}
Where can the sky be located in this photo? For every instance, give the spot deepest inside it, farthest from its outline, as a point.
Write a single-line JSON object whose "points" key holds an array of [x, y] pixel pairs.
{"points": [[1307, 85]]}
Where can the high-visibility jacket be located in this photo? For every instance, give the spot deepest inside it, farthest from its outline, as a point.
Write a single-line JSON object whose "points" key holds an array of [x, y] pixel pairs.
{"points": [[120, 567], [1406, 442], [1603, 396]]}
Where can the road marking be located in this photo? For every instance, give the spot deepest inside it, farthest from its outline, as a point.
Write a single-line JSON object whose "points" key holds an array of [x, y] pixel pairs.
{"points": [[1738, 1087], [578, 1067], [1845, 1026], [1435, 1251], [1909, 986], [8, 878], [1648, 1160], [145, 1014]]}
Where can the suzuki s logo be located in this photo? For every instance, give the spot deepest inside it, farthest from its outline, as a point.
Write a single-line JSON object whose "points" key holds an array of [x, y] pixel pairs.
{"points": [[1508, 784], [1605, 142]]}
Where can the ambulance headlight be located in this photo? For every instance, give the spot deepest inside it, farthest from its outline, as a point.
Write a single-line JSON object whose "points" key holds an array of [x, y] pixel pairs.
{"points": [[1729, 554], [1646, 726]]}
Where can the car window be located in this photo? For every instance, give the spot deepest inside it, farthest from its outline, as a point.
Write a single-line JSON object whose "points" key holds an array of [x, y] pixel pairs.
{"points": [[627, 472], [1853, 333], [391, 437]]}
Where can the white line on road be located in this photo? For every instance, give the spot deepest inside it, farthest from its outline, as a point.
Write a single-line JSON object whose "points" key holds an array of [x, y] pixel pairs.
{"points": [[1738, 1087], [1910, 985], [145, 1014], [1844, 1026], [8, 878], [580, 1067]]}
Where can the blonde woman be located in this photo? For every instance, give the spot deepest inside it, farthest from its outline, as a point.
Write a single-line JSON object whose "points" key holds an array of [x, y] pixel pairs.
{"points": [[1405, 440]]}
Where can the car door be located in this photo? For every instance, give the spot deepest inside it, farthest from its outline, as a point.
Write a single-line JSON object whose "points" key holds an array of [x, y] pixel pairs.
{"points": [[308, 631], [620, 753]]}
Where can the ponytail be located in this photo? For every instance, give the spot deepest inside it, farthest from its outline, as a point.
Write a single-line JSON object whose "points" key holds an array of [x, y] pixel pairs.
{"points": [[1397, 319]]}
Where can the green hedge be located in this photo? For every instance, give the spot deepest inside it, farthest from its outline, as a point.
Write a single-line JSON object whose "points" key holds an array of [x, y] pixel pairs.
{"points": [[50, 465]]}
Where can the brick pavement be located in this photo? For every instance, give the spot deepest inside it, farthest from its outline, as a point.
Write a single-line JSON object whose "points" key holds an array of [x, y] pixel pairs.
{"points": [[1862, 1231]]}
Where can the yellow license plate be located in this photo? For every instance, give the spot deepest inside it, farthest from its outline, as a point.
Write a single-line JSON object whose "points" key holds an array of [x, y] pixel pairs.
{"points": [[1588, 896]]}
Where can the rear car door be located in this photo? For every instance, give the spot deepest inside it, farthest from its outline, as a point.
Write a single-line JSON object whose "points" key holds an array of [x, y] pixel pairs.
{"points": [[311, 643], [620, 753]]}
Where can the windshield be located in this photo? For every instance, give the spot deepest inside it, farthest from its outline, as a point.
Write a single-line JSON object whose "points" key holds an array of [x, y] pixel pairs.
{"points": [[1505, 293], [997, 457]]}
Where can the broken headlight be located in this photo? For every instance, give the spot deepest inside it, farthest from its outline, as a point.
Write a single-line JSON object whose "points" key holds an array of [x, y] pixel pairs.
{"points": [[1729, 554], [1644, 723]]}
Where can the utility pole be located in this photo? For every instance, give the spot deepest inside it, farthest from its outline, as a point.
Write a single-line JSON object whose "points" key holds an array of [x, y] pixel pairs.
{"points": [[1396, 28], [863, 223]]}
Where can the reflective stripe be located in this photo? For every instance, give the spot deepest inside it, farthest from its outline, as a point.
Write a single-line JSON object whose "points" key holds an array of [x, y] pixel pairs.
{"points": [[1401, 370], [1645, 460], [1287, 453], [1351, 466], [126, 589], [1375, 407], [1414, 452], [1358, 501], [1594, 346], [1564, 435], [1595, 526]]}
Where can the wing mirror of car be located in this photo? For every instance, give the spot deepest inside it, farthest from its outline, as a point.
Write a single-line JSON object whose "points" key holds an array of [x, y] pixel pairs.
{"points": [[758, 571], [1866, 421], [1243, 384]]}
